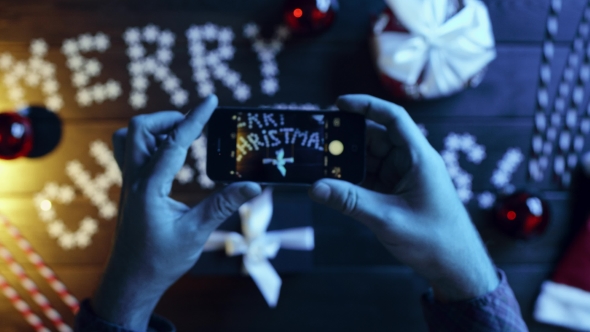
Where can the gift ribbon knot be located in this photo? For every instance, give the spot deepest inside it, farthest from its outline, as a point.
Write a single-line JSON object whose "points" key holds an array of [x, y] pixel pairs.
{"points": [[258, 246], [443, 54]]}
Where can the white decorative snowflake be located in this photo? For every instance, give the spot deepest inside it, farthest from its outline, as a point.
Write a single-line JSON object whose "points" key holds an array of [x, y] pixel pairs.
{"points": [[210, 64], [86, 43], [93, 67], [453, 142], [143, 65], [132, 36], [179, 98], [39, 47], [84, 97], [205, 89], [101, 42], [486, 200], [54, 103], [269, 86], [242, 92], [83, 69], [477, 154], [166, 39], [267, 52], [33, 72], [69, 47], [185, 175], [251, 30], [151, 33], [137, 100]]}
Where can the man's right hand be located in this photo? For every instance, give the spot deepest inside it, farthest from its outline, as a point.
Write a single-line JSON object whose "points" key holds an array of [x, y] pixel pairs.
{"points": [[409, 202]]}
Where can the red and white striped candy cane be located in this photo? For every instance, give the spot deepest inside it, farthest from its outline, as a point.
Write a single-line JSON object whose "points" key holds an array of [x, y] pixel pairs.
{"points": [[31, 287], [22, 306], [43, 269]]}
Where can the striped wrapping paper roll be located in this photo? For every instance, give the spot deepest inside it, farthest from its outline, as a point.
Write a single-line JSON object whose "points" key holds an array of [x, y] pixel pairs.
{"points": [[39, 264], [34, 292], [22, 306]]}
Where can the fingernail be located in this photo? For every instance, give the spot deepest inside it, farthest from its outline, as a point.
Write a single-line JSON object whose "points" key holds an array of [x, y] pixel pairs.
{"points": [[321, 192], [249, 191]]}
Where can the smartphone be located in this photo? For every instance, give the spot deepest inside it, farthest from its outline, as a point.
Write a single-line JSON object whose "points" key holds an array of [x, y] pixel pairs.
{"points": [[285, 146]]}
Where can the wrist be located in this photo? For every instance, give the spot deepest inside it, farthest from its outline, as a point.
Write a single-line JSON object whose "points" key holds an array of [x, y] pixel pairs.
{"points": [[467, 284], [126, 296]]}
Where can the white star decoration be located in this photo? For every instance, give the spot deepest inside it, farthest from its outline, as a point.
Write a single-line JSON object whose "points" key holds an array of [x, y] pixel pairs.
{"points": [[475, 153], [186, 174], [157, 65], [83, 69], [96, 190], [466, 143], [486, 200], [269, 86], [34, 72], [267, 52], [212, 63], [506, 167]]}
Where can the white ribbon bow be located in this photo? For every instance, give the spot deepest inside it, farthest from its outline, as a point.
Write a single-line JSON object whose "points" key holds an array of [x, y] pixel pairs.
{"points": [[449, 53], [257, 245]]}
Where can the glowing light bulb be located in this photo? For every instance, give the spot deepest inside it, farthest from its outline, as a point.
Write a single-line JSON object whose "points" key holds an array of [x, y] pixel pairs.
{"points": [[46, 205], [511, 215], [298, 12]]}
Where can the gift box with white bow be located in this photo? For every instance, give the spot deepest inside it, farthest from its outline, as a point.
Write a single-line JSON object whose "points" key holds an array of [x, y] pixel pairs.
{"points": [[264, 238], [426, 49]]}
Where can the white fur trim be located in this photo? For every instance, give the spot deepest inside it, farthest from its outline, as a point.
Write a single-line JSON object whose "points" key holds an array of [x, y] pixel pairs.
{"points": [[563, 305]]}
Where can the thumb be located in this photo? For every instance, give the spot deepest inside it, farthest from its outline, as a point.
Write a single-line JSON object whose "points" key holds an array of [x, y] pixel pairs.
{"points": [[359, 203], [216, 208]]}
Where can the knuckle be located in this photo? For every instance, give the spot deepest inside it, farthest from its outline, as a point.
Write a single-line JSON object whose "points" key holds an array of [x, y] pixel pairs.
{"points": [[222, 206], [350, 202], [136, 122]]}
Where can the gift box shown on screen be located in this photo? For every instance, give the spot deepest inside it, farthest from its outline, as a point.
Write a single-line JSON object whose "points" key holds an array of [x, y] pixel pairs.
{"points": [[290, 210]]}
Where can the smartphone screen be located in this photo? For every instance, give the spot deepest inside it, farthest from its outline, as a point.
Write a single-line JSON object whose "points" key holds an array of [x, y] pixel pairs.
{"points": [[277, 146]]}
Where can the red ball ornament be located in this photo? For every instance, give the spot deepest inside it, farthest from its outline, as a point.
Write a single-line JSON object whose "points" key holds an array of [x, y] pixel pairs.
{"points": [[309, 16], [16, 135], [521, 215]]}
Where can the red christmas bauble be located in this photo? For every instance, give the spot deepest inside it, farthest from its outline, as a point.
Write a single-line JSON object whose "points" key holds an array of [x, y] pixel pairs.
{"points": [[522, 215], [16, 135], [309, 16]]}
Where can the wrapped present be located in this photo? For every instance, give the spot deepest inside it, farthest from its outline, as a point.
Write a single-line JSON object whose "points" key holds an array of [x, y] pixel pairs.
{"points": [[428, 49], [261, 240]]}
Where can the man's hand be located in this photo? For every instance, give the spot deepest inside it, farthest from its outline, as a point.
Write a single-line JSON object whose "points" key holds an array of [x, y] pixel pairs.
{"points": [[410, 203], [158, 239]]}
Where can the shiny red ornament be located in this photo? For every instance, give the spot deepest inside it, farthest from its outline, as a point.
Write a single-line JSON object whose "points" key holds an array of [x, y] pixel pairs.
{"points": [[309, 16], [521, 215], [16, 135]]}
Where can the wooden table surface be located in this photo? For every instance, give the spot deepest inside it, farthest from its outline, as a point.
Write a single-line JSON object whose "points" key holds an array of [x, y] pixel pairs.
{"points": [[354, 284]]}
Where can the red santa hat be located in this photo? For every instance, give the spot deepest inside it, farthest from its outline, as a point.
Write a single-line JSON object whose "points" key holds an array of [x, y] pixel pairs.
{"points": [[565, 299]]}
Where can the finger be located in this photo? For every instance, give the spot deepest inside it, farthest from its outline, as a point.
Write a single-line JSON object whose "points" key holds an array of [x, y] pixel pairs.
{"points": [[402, 130], [373, 164], [118, 139], [171, 154], [378, 143], [363, 205], [141, 142], [216, 208]]}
